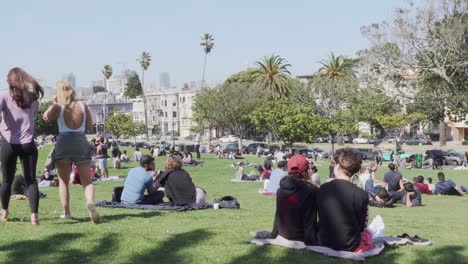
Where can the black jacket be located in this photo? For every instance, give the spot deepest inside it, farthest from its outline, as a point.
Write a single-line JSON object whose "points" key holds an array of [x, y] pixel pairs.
{"points": [[178, 187], [296, 211]]}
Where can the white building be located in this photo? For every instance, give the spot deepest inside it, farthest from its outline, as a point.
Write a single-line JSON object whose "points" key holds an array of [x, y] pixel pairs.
{"points": [[138, 107], [171, 111]]}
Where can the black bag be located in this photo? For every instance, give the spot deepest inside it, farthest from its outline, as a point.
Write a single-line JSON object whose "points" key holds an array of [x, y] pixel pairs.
{"points": [[229, 202], [117, 194]]}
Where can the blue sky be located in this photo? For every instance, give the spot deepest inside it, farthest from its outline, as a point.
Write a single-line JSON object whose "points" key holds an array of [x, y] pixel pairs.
{"points": [[50, 38]]}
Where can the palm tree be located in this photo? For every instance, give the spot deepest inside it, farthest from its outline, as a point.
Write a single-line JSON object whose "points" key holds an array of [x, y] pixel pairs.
{"points": [[334, 70], [336, 66], [207, 44], [273, 74], [107, 72], [145, 61]]}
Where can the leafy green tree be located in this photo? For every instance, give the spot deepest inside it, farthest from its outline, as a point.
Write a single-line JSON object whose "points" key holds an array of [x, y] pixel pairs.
{"points": [[205, 111], [273, 75], [133, 88], [138, 128], [333, 87], [235, 102], [207, 44], [42, 127], [120, 124], [431, 40], [289, 122], [98, 89], [396, 124]]}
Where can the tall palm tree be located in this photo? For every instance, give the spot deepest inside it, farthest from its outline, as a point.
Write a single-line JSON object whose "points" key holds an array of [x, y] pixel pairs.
{"points": [[334, 70], [336, 66], [107, 72], [207, 44], [272, 73], [145, 61]]}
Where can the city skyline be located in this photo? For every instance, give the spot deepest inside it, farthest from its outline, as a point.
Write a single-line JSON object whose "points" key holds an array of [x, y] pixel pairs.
{"points": [[51, 38]]}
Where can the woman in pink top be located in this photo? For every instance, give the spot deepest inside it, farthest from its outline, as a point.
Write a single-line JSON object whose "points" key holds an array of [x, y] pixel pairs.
{"points": [[18, 105]]}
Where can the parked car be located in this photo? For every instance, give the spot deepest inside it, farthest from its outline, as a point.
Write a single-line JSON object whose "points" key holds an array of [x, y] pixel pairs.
{"points": [[232, 147], [418, 140], [142, 145], [321, 154], [124, 143], [228, 139], [455, 153], [347, 139], [189, 137], [443, 157], [387, 154], [389, 139], [252, 148], [361, 140]]}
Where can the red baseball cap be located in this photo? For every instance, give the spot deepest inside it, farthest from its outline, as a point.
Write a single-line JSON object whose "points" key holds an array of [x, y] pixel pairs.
{"points": [[298, 163]]}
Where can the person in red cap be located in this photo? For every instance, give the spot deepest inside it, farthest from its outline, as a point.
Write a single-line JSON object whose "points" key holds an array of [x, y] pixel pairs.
{"points": [[296, 210], [343, 207]]}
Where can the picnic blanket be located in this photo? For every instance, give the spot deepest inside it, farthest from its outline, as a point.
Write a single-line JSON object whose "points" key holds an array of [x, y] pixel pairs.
{"points": [[111, 179], [159, 207], [263, 238], [237, 180]]}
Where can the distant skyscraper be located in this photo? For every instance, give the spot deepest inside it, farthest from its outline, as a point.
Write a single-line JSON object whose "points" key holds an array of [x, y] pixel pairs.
{"points": [[164, 80], [101, 83], [70, 77]]}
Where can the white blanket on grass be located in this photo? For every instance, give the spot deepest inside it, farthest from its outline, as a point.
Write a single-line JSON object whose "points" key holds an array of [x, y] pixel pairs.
{"points": [[379, 245]]}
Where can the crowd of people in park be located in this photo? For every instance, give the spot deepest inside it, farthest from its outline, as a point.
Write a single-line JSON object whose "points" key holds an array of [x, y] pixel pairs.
{"points": [[332, 214]]}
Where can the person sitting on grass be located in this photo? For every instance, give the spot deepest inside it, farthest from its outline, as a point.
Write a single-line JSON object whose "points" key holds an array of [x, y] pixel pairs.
{"points": [[124, 157], [137, 154], [271, 186], [240, 175], [46, 176], [430, 184], [314, 177], [179, 187], [448, 187], [266, 172], [393, 180], [424, 188], [140, 179], [343, 207], [296, 210]]}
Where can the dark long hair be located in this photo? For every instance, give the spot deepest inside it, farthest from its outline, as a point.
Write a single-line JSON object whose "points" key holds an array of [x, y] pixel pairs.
{"points": [[24, 89]]}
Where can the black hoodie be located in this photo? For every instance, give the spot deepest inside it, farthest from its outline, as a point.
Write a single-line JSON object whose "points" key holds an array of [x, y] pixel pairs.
{"points": [[296, 211]]}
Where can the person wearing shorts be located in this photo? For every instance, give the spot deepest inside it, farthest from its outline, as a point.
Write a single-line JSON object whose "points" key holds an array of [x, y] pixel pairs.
{"points": [[72, 146]]}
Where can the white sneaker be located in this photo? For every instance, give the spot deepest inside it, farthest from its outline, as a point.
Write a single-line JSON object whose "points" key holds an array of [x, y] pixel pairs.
{"points": [[65, 216]]}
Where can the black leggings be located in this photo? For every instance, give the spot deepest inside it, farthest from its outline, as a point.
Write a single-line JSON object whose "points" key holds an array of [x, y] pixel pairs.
{"points": [[9, 154]]}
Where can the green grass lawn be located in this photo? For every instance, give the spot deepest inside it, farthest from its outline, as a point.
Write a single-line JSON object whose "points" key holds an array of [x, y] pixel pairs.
{"points": [[213, 236]]}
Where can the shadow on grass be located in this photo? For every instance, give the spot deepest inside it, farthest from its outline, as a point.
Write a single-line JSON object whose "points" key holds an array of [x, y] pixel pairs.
{"points": [[446, 254], [116, 217], [55, 249], [170, 251]]}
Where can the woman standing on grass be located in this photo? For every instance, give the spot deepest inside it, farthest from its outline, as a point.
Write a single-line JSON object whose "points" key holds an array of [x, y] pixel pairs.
{"points": [[18, 105], [73, 119]]}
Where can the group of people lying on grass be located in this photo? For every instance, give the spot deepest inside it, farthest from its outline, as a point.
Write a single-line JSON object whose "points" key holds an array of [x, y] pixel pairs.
{"points": [[225, 154], [174, 182], [395, 189], [341, 204]]}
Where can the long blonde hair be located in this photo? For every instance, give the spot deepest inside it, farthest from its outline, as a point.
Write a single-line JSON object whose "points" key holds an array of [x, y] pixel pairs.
{"points": [[65, 93]]}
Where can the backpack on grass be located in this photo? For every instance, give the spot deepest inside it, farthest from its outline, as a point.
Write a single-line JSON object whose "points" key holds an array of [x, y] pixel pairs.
{"points": [[229, 202], [117, 193]]}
